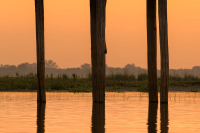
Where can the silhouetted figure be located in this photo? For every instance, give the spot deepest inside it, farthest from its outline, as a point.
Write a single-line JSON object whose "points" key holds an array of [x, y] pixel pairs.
{"points": [[152, 117], [164, 117], [98, 117], [40, 117]]}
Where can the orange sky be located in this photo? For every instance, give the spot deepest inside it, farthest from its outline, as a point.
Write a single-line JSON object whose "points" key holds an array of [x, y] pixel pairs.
{"points": [[67, 32]]}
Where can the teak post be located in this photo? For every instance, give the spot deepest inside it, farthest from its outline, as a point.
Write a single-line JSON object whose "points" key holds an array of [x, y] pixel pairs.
{"points": [[41, 117], [152, 117], [39, 13], [152, 50], [98, 117], [164, 120], [163, 30], [97, 21]]}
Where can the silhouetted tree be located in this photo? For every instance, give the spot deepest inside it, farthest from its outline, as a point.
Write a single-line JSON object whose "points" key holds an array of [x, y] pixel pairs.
{"points": [[50, 64], [85, 66], [23, 66]]}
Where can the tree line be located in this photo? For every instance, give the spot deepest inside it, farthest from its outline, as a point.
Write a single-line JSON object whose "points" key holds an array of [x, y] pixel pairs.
{"points": [[85, 69]]}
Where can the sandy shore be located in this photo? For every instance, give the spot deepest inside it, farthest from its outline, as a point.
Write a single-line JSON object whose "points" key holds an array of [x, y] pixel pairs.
{"points": [[131, 89]]}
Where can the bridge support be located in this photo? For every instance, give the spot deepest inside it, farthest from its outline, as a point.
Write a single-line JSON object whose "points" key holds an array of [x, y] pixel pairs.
{"points": [[97, 21], [163, 30], [41, 117], [152, 50], [98, 117], [164, 120], [39, 13], [152, 117]]}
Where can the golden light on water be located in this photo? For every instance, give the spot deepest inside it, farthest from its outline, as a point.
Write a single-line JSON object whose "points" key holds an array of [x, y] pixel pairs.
{"points": [[124, 112]]}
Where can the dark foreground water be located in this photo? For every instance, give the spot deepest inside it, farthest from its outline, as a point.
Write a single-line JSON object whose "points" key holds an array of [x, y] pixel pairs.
{"points": [[122, 113]]}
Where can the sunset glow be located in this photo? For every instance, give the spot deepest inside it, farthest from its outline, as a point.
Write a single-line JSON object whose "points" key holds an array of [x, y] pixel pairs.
{"points": [[67, 32]]}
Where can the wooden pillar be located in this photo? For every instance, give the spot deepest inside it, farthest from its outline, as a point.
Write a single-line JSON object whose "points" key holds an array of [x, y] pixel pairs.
{"points": [[98, 117], [152, 50], [152, 117], [163, 30], [164, 117], [39, 13], [41, 117], [97, 21]]}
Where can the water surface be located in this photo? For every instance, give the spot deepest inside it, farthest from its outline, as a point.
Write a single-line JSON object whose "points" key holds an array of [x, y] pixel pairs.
{"points": [[75, 113]]}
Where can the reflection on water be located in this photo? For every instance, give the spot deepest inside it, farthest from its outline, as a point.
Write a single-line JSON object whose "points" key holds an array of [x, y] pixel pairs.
{"points": [[164, 117], [98, 117], [152, 117], [41, 117], [121, 113]]}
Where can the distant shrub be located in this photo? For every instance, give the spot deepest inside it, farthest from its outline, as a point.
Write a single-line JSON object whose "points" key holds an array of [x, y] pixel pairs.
{"points": [[89, 76], [142, 77], [194, 90], [51, 75], [56, 85], [74, 76], [80, 89], [175, 77], [132, 77], [65, 76], [110, 77], [143, 88], [189, 77], [17, 74], [121, 77]]}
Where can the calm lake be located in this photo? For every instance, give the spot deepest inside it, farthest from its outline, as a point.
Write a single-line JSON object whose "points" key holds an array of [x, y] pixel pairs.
{"points": [[75, 113]]}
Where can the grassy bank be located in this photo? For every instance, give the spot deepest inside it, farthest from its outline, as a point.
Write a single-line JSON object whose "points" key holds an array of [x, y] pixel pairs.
{"points": [[116, 83]]}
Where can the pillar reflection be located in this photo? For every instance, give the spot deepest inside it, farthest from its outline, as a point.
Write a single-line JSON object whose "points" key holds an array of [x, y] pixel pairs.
{"points": [[152, 117], [40, 117], [164, 117], [98, 117]]}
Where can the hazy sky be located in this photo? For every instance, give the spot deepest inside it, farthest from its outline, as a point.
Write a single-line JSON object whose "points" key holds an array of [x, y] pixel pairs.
{"points": [[67, 32]]}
